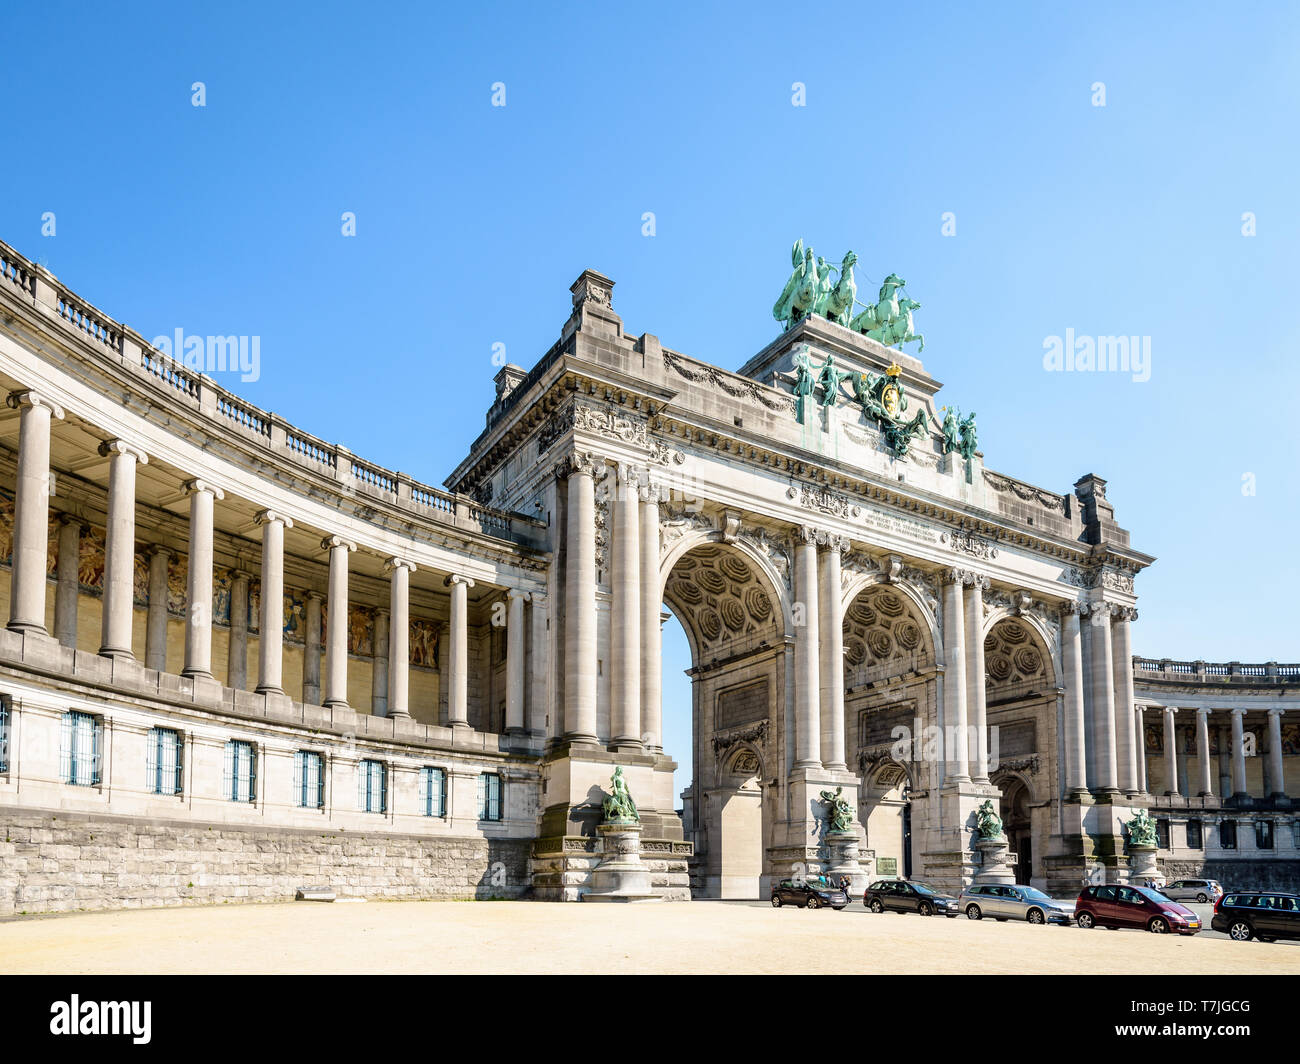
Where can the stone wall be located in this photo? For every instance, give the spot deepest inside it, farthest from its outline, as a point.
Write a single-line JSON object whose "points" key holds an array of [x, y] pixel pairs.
{"points": [[53, 861], [1239, 874]]}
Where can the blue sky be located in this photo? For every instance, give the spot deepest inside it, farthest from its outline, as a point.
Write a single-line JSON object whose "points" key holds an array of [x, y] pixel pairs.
{"points": [[472, 221]]}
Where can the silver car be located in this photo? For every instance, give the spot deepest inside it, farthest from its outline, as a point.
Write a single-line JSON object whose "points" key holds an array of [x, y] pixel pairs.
{"points": [[1014, 902], [1202, 890]]}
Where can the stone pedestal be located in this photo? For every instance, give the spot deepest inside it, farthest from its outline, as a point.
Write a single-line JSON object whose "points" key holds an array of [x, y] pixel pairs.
{"points": [[620, 876], [1142, 866], [845, 860], [996, 864]]}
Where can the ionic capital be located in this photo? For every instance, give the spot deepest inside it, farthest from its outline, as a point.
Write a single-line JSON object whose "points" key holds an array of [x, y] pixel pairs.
{"points": [[120, 448], [332, 542], [265, 517], [456, 578], [519, 594], [580, 463], [193, 487], [28, 397], [399, 563], [966, 577]]}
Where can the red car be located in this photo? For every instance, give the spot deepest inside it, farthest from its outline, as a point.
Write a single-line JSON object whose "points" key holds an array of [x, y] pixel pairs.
{"points": [[1118, 906]]}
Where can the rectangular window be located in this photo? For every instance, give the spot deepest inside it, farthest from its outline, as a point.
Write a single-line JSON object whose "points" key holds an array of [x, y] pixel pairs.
{"points": [[79, 752], [164, 769], [1162, 833], [1227, 834], [1194, 835], [309, 779], [1263, 834], [240, 783], [372, 787], [489, 796], [433, 791], [4, 733]]}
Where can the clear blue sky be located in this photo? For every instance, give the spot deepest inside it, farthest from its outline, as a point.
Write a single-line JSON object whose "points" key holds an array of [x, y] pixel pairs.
{"points": [[472, 221]]}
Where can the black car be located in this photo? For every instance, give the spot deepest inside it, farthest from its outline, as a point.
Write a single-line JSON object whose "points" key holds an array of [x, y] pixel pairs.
{"points": [[1261, 914], [811, 892], [901, 896]]}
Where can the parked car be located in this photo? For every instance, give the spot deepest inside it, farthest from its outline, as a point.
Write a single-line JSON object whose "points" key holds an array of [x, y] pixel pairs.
{"points": [[1114, 905], [812, 892], [1014, 902], [901, 896], [1201, 890], [1261, 914]]}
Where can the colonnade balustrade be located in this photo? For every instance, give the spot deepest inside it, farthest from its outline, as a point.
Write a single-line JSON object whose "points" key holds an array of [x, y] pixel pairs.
{"points": [[392, 657]]}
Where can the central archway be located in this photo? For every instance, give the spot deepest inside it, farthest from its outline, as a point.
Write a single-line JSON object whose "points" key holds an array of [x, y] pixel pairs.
{"points": [[731, 606]]}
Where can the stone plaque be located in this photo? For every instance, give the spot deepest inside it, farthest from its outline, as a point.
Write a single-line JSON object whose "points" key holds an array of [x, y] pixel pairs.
{"points": [[887, 866], [1016, 740], [876, 726], [741, 705]]}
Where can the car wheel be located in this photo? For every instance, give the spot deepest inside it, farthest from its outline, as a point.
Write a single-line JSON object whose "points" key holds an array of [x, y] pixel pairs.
{"points": [[876, 906], [814, 902], [973, 912], [1158, 926], [1202, 898], [1035, 916], [776, 901], [1240, 931], [1085, 921], [925, 909]]}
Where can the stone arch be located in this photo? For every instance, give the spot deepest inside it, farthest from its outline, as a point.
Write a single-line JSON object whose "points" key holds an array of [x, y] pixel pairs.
{"points": [[745, 762], [884, 809], [1049, 639], [864, 581], [1017, 812], [1017, 650], [777, 585], [885, 624]]}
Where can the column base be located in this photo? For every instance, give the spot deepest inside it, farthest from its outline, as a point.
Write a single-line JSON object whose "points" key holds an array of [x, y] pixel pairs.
{"points": [[336, 703], [197, 674], [399, 714], [117, 653], [26, 627]]}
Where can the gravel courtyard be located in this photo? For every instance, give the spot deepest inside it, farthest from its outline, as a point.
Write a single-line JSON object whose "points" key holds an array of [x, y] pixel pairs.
{"points": [[530, 937]]}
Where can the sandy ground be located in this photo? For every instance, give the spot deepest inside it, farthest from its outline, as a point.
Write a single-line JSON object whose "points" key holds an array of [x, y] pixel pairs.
{"points": [[488, 937]]}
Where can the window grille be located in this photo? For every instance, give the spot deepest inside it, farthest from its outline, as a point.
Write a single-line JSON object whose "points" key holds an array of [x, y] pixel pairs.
{"points": [[164, 768], [79, 751], [309, 779], [433, 791], [240, 781], [489, 796], [372, 787]]}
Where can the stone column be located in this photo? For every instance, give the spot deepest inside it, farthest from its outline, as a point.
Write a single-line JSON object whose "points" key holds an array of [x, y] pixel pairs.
{"points": [[580, 597], [270, 663], [1203, 752], [1238, 754], [237, 660], [807, 668], [1076, 764], [119, 548], [458, 652], [515, 643], [336, 632], [1225, 760], [399, 640], [831, 653], [155, 628], [1103, 697], [651, 625], [1275, 776], [1171, 752], [1140, 740], [198, 598], [69, 586], [32, 512], [1122, 667], [379, 666], [625, 615], [311, 649], [976, 701], [954, 678]]}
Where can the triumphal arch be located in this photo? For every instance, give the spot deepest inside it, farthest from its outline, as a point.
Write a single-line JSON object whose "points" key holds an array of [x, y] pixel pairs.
{"points": [[869, 607]]}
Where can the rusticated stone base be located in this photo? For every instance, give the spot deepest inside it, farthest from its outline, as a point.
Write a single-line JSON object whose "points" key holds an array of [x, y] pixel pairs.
{"points": [[62, 862]]}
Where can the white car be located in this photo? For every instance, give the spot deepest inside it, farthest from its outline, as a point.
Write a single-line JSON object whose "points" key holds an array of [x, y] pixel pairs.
{"points": [[1014, 902], [1202, 890]]}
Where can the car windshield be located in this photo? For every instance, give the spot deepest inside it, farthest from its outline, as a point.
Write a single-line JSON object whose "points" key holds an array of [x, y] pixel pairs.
{"points": [[1151, 893], [921, 888], [1033, 894]]}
